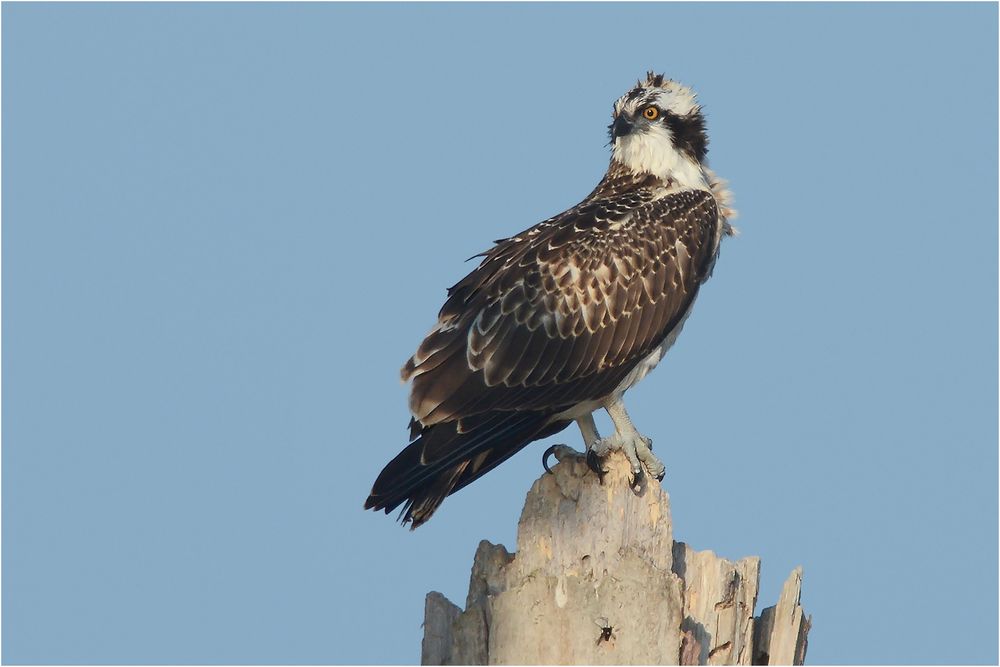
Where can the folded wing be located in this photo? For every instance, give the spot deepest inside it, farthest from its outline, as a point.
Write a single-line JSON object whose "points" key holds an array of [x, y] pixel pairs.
{"points": [[552, 317]]}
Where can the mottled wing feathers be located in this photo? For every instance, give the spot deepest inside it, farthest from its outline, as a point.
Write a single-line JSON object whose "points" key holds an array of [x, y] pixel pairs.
{"points": [[560, 313], [552, 317]]}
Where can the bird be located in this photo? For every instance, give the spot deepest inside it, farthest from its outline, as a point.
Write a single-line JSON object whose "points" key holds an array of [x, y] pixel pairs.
{"points": [[561, 319]]}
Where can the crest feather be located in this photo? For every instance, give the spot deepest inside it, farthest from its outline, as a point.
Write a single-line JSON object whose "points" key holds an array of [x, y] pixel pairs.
{"points": [[654, 80]]}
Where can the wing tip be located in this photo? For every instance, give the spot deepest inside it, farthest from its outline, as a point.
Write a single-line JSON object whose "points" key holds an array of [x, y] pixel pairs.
{"points": [[443, 459]]}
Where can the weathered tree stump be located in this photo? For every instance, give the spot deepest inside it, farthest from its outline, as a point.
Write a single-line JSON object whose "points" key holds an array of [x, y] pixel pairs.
{"points": [[598, 579]]}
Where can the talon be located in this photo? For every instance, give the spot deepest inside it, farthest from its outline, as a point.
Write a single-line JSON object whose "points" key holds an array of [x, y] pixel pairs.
{"points": [[594, 463], [654, 468], [635, 483], [545, 458], [561, 452], [633, 461], [652, 465]]}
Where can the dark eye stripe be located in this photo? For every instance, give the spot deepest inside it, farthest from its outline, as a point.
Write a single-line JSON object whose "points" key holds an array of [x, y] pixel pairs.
{"points": [[689, 133]]}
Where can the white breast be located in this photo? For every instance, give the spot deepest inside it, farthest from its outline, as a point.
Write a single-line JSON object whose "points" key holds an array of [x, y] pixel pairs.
{"points": [[652, 359], [652, 152]]}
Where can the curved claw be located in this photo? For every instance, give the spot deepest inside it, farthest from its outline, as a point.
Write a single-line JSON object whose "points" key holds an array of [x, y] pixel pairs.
{"points": [[545, 458], [594, 463], [633, 459]]}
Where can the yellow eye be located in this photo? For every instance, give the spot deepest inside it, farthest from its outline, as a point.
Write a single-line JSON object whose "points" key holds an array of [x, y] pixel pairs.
{"points": [[651, 113]]}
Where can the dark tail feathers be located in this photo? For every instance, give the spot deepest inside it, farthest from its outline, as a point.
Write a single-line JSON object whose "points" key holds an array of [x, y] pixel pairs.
{"points": [[446, 457]]}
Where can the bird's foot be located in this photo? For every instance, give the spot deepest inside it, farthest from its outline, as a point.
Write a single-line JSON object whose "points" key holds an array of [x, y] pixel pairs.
{"points": [[638, 450], [596, 464], [562, 453], [566, 453]]}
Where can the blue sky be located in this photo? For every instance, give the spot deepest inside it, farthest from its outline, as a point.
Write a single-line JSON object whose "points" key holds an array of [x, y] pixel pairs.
{"points": [[225, 227]]}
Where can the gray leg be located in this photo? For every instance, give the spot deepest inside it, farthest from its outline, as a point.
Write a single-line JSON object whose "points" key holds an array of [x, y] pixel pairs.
{"points": [[636, 447], [591, 438], [588, 429], [564, 452]]}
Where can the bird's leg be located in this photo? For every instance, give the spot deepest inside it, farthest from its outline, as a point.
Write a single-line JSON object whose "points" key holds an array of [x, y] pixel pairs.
{"points": [[588, 428], [561, 452], [590, 436], [638, 449]]}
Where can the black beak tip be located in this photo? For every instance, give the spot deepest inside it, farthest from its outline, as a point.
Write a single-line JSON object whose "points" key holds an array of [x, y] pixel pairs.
{"points": [[620, 127]]}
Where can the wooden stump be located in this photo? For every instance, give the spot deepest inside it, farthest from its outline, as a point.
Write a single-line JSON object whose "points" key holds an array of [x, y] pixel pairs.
{"points": [[598, 579]]}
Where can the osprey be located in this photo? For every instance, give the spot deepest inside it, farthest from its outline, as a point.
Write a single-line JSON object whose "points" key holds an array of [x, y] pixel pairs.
{"points": [[561, 319]]}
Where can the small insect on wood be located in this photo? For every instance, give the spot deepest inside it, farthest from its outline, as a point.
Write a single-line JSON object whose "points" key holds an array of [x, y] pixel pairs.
{"points": [[607, 630]]}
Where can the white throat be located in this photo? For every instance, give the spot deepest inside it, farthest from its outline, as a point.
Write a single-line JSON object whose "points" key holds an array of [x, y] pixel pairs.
{"points": [[652, 152]]}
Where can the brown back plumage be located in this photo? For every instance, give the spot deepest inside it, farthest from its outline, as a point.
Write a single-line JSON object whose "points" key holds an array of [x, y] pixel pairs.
{"points": [[554, 316]]}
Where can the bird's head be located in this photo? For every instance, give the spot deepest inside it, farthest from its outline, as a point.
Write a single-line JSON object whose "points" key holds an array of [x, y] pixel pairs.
{"points": [[658, 128]]}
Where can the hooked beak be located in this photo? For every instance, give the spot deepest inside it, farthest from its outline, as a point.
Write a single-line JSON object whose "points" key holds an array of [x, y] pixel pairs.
{"points": [[620, 127]]}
